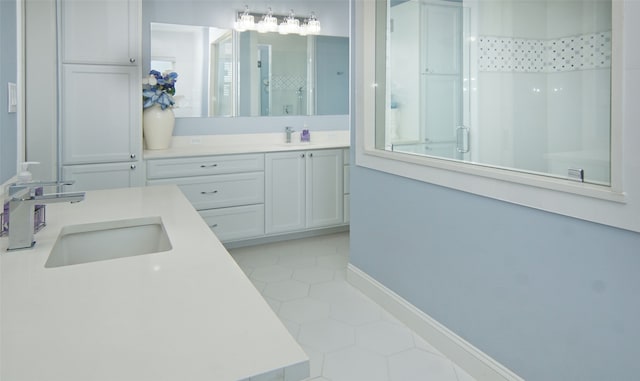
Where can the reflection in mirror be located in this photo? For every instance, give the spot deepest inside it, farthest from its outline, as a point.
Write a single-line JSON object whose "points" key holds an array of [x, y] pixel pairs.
{"points": [[293, 75], [277, 74], [518, 85], [203, 59], [273, 75]]}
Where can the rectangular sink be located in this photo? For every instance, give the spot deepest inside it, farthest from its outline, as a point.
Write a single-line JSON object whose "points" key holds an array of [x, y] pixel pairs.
{"points": [[107, 240]]}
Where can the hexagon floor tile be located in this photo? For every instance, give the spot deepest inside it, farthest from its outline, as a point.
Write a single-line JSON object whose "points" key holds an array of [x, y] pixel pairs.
{"points": [[326, 335], [304, 310], [345, 334], [355, 364]]}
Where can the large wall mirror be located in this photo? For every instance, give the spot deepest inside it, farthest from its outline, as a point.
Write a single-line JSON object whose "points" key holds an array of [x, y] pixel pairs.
{"points": [[10, 50], [226, 73], [520, 85]]}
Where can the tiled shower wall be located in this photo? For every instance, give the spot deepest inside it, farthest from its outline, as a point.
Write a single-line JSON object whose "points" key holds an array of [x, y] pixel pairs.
{"points": [[558, 92], [582, 52]]}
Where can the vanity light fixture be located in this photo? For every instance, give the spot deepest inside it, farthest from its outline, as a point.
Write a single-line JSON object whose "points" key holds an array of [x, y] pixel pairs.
{"points": [[290, 24], [268, 23], [245, 21], [312, 24]]}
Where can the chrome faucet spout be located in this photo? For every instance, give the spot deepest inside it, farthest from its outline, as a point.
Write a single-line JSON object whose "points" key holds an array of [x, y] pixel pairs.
{"points": [[20, 188], [288, 131], [21, 211]]}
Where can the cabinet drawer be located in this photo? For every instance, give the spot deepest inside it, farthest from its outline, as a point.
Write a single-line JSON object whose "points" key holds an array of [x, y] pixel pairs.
{"points": [[208, 192], [235, 223], [206, 165]]}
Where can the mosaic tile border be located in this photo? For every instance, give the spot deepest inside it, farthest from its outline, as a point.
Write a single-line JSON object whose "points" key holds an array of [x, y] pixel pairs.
{"points": [[500, 54], [288, 82]]}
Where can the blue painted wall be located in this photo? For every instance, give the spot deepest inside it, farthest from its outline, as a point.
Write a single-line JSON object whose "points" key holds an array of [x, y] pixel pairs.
{"points": [[548, 296], [8, 73]]}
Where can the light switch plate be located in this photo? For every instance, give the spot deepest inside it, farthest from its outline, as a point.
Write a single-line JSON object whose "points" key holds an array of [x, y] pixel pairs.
{"points": [[12, 98]]}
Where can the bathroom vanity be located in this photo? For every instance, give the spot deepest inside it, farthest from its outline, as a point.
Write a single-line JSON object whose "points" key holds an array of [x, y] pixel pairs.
{"points": [[186, 312], [256, 186]]}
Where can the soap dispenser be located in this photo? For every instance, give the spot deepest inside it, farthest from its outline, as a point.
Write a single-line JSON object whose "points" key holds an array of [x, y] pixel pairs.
{"points": [[305, 136], [39, 217], [25, 176]]}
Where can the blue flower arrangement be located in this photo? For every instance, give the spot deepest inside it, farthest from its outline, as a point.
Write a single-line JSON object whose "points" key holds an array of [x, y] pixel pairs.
{"points": [[159, 88]]}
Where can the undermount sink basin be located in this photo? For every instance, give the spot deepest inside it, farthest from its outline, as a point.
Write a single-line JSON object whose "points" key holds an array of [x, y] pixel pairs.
{"points": [[108, 240]]}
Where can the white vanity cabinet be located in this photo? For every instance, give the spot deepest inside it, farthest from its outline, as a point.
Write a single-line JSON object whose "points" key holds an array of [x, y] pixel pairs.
{"points": [[227, 190], [100, 105], [100, 31], [304, 190], [99, 108]]}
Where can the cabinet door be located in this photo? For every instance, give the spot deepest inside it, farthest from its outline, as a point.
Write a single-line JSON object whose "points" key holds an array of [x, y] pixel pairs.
{"points": [[101, 114], [100, 31], [284, 192], [324, 188], [102, 176]]}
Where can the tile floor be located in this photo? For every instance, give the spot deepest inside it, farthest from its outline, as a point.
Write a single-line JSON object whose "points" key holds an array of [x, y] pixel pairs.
{"points": [[346, 335]]}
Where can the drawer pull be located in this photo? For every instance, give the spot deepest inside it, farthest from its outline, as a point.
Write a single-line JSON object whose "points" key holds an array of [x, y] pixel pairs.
{"points": [[208, 166], [213, 226], [210, 192]]}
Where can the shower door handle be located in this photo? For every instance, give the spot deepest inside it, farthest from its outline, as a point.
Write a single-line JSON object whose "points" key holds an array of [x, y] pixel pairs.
{"points": [[462, 139]]}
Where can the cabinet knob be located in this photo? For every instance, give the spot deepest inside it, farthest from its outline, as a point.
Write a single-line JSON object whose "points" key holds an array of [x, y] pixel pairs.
{"points": [[132, 60], [133, 156], [207, 166], [133, 166], [210, 192], [310, 155], [302, 155]]}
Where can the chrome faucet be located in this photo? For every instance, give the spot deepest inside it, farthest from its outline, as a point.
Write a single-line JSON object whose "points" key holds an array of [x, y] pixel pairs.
{"points": [[288, 131], [22, 201]]}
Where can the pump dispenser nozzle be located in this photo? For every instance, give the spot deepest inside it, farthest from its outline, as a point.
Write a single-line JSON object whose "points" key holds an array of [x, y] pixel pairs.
{"points": [[25, 176]]}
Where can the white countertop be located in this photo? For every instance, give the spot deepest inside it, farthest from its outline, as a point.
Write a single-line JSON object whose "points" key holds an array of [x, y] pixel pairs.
{"points": [[185, 146], [187, 314]]}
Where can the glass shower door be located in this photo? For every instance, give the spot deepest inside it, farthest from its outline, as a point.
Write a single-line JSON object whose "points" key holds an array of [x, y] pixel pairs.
{"points": [[432, 118], [442, 111]]}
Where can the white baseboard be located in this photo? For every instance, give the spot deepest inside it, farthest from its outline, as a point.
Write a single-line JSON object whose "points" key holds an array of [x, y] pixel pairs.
{"points": [[475, 362]]}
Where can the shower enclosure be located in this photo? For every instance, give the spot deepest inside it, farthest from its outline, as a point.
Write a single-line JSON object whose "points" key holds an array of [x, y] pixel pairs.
{"points": [[514, 84]]}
